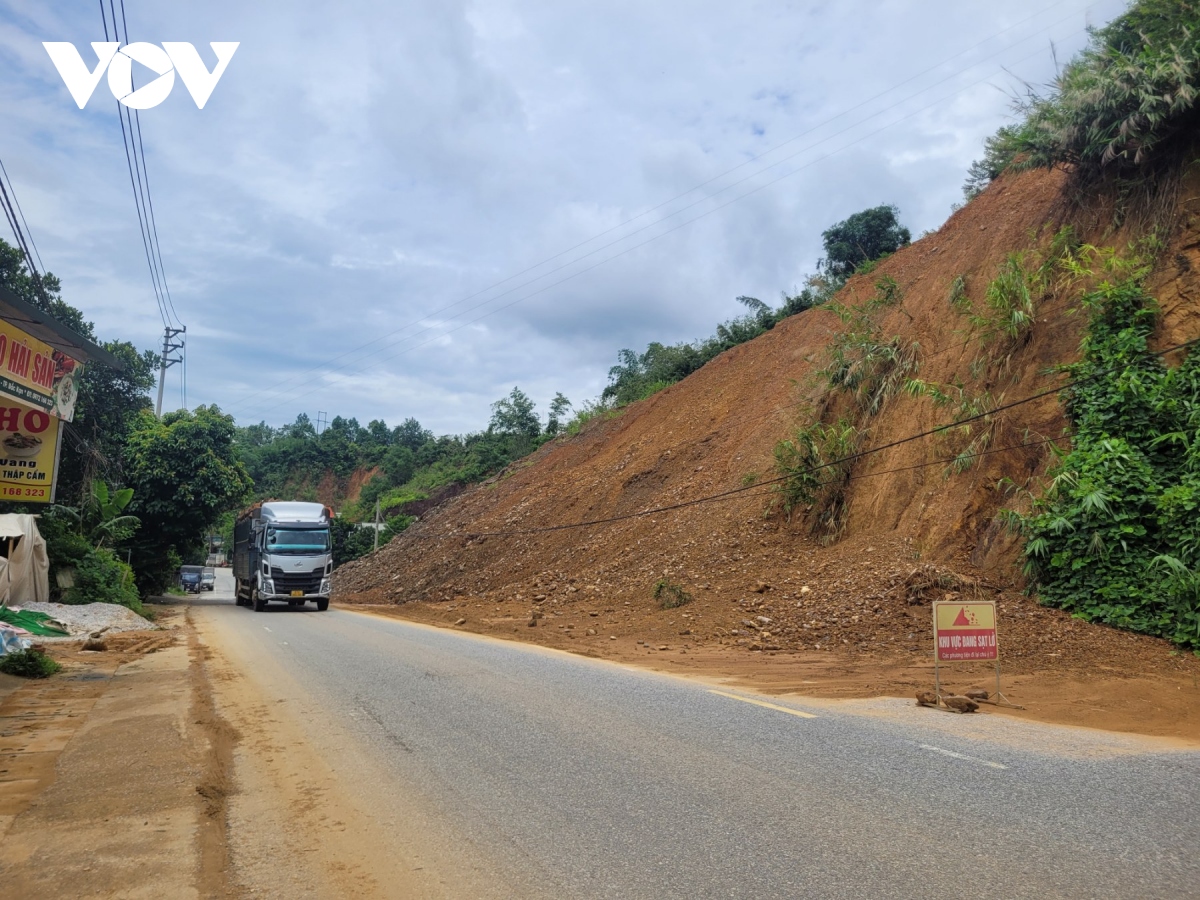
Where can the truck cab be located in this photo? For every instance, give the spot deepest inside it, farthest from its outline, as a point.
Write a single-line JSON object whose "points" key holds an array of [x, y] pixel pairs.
{"points": [[190, 579], [282, 552]]}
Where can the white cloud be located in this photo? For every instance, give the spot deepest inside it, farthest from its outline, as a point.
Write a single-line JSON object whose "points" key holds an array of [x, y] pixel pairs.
{"points": [[383, 174]]}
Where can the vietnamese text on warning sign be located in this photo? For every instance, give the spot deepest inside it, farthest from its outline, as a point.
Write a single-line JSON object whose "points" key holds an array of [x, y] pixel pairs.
{"points": [[964, 630]]}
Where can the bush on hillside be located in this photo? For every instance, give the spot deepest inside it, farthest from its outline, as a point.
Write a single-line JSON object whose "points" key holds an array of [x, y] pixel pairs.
{"points": [[1121, 105], [670, 594], [1114, 537]]}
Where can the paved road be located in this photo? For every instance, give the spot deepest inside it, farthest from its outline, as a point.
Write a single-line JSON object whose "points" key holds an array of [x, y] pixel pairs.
{"points": [[577, 778]]}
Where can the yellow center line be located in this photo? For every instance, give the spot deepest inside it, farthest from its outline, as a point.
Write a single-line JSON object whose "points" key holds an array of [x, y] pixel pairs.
{"points": [[763, 703]]}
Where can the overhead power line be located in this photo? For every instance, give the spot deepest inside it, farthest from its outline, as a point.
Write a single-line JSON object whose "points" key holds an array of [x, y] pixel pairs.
{"points": [[139, 181], [17, 203], [143, 202], [148, 199], [8, 196], [708, 197], [134, 181]]}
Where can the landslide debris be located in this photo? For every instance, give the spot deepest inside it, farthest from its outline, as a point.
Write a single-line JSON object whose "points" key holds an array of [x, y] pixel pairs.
{"points": [[911, 529]]}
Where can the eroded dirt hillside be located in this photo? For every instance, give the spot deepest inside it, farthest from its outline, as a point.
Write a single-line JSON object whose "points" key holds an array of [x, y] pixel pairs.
{"points": [[913, 529]]}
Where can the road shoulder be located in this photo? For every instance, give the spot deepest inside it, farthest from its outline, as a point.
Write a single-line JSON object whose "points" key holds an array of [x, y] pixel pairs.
{"points": [[305, 815], [115, 761]]}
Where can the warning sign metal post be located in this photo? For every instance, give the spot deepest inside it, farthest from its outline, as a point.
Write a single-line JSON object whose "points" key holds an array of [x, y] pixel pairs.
{"points": [[965, 631]]}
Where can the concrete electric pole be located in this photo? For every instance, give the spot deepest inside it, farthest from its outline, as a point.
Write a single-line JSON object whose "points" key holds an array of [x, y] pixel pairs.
{"points": [[167, 360]]}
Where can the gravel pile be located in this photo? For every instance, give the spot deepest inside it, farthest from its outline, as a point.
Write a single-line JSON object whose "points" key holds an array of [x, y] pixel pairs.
{"points": [[81, 620]]}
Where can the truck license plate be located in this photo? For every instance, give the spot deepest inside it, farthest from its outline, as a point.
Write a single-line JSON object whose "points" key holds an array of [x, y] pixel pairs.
{"points": [[297, 593]]}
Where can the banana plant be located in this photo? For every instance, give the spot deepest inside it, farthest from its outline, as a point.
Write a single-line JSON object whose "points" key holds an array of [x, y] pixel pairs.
{"points": [[105, 508]]}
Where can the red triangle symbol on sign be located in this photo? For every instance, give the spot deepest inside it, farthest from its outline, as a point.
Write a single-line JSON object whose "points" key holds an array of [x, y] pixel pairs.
{"points": [[962, 617]]}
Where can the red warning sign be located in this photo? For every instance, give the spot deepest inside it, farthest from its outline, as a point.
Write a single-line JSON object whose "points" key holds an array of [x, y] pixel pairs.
{"points": [[965, 630]]}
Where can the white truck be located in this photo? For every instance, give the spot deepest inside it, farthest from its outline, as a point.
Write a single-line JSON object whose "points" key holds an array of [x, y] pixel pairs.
{"points": [[281, 551]]}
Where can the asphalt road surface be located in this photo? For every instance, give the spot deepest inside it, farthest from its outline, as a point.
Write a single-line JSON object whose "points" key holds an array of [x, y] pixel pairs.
{"points": [[561, 776]]}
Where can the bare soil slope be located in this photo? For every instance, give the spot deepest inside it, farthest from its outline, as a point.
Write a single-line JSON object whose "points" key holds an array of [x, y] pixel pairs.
{"points": [[914, 533]]}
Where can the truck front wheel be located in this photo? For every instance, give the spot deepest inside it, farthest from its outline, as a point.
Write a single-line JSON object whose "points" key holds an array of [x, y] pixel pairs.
{"points": [[323, 604], [259, 603]]}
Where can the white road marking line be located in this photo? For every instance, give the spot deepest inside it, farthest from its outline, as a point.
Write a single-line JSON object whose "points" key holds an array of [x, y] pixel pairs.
{"points": [[265, 628], [963, 756], [784, 709]]}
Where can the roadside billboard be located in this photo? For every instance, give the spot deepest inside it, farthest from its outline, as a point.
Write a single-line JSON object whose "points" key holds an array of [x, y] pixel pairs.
{"points": [[29, 445], [34, 373]]}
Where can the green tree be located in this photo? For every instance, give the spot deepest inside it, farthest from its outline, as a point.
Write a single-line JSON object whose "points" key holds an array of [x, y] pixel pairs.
{"points": [[411, 435], [514, 415], [44, 293], [301, 428], [863, 237], [184, 473], [398, 464], [559, 407], [109, 404], [109, 400], [349, 541]]}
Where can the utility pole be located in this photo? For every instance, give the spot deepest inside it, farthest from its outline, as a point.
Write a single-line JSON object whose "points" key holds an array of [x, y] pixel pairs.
{"points": [[376, 547], [167, 360], [322, 421]]}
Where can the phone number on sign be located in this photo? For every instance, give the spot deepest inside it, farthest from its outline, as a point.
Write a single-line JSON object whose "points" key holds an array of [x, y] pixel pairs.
{"points": [[6, 491]]}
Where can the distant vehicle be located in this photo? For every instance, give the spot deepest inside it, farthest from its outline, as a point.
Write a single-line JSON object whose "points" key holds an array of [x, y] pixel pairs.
{"points": [[191, 578], [281, 551], [208, 578]]}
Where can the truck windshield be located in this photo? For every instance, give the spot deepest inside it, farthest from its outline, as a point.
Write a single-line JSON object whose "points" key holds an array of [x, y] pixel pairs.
{"points": [[296, 540]]}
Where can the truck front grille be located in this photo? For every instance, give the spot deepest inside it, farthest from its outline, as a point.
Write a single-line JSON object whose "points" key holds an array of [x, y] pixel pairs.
{"points": [[286, 582]]}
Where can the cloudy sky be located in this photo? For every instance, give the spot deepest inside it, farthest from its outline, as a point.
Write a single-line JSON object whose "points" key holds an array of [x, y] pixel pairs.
{"points": [[394, 208]]}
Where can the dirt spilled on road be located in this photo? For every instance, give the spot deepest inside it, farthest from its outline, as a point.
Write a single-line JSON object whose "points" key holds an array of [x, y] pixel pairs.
{"points": [[302, 809], [217, 778]]}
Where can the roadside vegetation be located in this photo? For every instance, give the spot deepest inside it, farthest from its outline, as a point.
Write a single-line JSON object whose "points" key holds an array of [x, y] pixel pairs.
{"points": [[1111, 535], [31, 663], [136, 495]]}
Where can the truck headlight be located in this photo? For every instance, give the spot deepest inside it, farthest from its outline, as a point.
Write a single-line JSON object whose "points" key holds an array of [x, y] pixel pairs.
{"points": [[325, 586], [268, 586]]}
